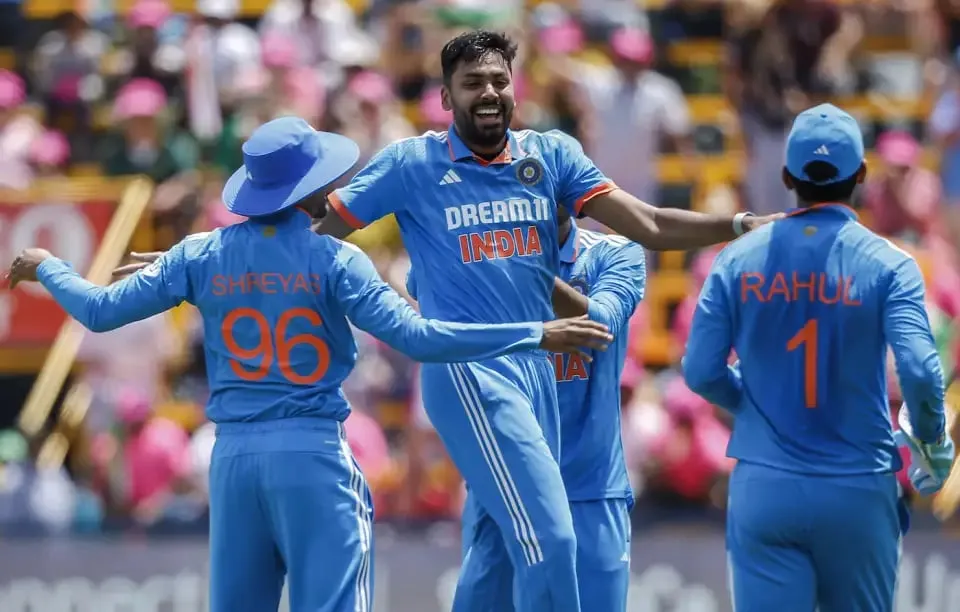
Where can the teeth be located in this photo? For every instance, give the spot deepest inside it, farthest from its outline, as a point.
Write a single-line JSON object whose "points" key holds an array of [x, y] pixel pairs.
{"points": [[488, 111]]}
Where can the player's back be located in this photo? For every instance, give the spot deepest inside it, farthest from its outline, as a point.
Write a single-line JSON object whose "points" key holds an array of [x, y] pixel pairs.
{"points": [[277, 340], [808, 296]]}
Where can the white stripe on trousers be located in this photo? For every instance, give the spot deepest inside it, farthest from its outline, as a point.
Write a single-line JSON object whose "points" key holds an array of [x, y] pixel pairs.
{"points": [[362, 601], [522, 526]]}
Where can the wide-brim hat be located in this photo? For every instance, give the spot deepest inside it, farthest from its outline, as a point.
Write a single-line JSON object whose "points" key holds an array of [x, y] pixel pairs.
{"points": [[286, 160]]}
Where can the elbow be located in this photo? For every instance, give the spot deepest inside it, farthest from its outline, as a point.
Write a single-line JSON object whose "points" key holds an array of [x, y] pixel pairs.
{"points": [[699, 378], [922, 380], [98, 325]]}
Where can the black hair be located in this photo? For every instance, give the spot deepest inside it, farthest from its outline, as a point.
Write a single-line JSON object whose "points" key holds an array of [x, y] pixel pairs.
{"points": [[815, 191], [474, 45]]}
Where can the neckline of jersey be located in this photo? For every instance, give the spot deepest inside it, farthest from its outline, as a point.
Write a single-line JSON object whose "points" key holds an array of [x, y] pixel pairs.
{"points": [[835, 207]]}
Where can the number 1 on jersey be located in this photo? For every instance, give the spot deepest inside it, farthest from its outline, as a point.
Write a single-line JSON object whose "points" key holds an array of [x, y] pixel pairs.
{"points": [[807, 336]]}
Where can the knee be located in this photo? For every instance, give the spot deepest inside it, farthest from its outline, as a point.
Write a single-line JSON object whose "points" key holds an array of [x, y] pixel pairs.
{"points": [[558, 543]]}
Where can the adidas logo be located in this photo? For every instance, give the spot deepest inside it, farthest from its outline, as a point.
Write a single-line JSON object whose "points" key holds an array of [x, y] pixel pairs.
{"points": [[822, 150], [625, 558], [449, 178]]}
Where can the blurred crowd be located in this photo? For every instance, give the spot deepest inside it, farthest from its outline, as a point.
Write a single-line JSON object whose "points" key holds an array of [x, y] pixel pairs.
{"points": [[682, 102]]}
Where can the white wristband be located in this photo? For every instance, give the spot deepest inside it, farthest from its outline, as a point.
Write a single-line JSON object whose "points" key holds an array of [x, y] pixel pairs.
{"points": [[738, 222]]}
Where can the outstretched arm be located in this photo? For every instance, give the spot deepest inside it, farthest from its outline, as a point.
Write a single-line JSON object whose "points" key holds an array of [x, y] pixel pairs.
{"points": [[585, 191], [665, 229], [158, 287], [373, 306]]}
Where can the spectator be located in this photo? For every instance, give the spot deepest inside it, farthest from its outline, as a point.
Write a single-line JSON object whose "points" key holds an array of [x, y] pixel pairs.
{"points": [[49, 155], [67, 70], [143, 464], [147, 58], [557, 100], [370, 115], [18, 131], [218, 50], [142, 145], [690, 456], [633, 107], [945, 131], [779, 62], [14, 455], [110, 368], [432, 115], [903, 198], [325, 33]]}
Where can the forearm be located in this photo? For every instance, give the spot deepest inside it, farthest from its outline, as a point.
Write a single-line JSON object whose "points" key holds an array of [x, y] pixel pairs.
{"points": [[80, 298], [918, 366], [99, 309], [678, 229], [718, 383], [567, 301], [659, 229], [332, 224], [428, 341], [922, 387]]}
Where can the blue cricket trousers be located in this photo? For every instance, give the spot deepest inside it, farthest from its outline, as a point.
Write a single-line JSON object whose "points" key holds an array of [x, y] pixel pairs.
{"points": [[499, 420], [798, 542], [603, 557], [288, 499]]}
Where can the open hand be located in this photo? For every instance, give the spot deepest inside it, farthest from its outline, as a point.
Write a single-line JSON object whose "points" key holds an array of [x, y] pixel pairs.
{"points": [[141, 261], [24, 267], [752, 222], [576, 335]]}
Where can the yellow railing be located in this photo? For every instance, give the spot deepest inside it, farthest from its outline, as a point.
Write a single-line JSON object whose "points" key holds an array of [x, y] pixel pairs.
{"points": [[56, 368]]}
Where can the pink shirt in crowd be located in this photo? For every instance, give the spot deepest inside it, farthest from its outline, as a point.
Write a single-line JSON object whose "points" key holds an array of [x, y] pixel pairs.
{"points": [[156, 457], [368, 443]]}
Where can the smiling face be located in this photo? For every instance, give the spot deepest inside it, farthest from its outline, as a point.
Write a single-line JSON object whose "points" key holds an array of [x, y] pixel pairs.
{"points": [[480, 94]]}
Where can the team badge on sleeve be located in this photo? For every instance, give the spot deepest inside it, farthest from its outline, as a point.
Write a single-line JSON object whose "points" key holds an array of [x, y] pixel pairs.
{"points": [[579, 284], [529, 172]]}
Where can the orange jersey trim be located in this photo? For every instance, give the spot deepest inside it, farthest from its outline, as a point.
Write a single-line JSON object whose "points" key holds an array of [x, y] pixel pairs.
{"points": [[344, 212], [596, 191]]}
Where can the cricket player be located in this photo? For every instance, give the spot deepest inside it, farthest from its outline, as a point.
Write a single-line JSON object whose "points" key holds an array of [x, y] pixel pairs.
{"points": [[287, 497], [477, 209], [604, 275], [810, 304]]}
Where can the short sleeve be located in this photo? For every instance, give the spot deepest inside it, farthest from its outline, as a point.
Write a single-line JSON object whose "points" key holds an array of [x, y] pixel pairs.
{"points": [[578, 178], [375, 192]]}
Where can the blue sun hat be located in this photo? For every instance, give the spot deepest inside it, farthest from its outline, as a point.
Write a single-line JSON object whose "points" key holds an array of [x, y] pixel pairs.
{"points": [[284, 161]]}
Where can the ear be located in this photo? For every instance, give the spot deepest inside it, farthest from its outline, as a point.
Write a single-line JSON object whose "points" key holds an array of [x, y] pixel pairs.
{"points": [[862, 173], [445, 98], [787, 179]]}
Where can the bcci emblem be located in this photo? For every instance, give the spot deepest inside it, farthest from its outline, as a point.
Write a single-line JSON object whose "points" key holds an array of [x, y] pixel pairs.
{"points": [[579, 284], [529, 172]]}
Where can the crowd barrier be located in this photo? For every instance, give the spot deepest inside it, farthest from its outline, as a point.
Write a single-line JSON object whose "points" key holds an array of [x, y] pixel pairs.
{"points": [[673, 571]]}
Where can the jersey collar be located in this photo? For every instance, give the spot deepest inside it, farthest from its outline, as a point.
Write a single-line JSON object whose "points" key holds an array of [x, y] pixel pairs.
{"points": [[571, 248], [460, 152], [295, 217], [833, 207]]}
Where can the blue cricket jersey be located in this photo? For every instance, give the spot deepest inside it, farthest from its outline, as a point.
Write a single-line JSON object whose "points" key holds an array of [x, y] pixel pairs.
{"points": [[810, 304], [611, 271], [482, 236], [276, 301]]}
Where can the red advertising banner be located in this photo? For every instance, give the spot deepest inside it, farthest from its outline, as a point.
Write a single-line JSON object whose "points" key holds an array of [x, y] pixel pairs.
{"points": [[69, 219]]}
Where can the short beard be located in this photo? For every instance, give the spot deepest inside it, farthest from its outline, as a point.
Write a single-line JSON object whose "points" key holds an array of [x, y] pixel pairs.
{"points": [[472, 135]]}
